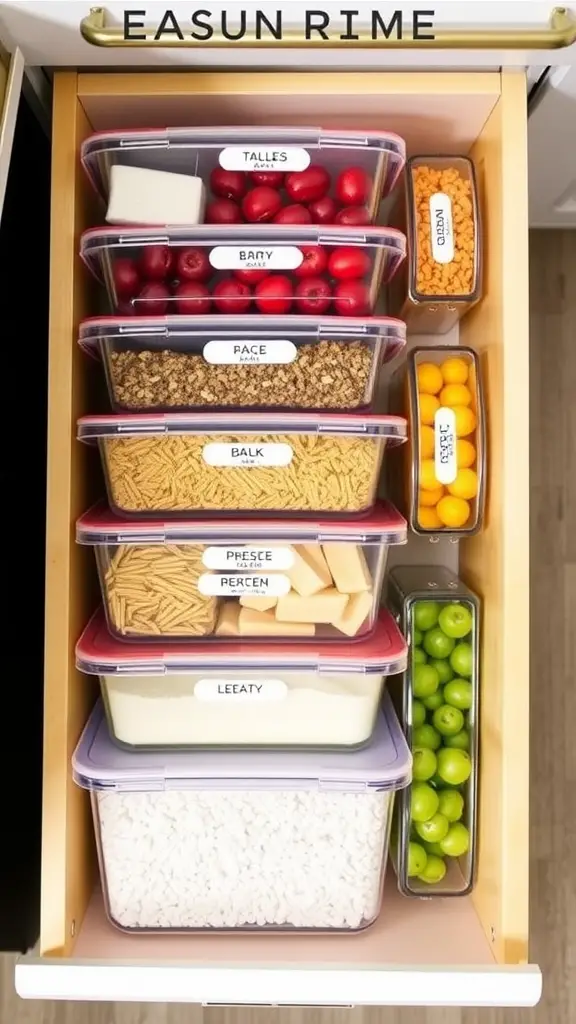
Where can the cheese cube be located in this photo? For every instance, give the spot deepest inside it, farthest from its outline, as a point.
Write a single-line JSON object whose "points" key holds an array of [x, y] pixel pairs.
{"points": [[227, 624], [259, 604], [355, 613], [323, 607], [309, 573], [348, 566], [255, 623], [140, 196]]}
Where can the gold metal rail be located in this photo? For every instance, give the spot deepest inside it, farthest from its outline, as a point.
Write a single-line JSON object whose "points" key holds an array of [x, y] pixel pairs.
{"points": [[558, 34]]}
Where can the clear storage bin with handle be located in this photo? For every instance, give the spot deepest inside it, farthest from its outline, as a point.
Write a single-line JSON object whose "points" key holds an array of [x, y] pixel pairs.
{"points": [[437, 698], [187, 175], [235, 269], [286, 841], [159, 364], [262, 579], [243, 695], [289, 463]]}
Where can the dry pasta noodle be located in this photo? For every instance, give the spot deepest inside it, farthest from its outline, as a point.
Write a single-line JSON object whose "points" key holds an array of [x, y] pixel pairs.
{"points": [[153, 591], [167, 472]]}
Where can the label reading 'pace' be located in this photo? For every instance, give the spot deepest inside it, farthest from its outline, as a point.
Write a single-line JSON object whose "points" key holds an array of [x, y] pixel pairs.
{"points": [[445, 460], [441, 228], [252, 559], [264, 158], [256, 353], [210, 690], [262, 257], [220, 584], [247, 456]]}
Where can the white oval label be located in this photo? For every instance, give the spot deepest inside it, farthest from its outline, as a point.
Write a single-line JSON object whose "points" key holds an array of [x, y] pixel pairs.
{"points": [[252, 559], [221, 584], [256, 353], [445, 460], [264, 158], [210, 690], [255, 257], [246, 456], [441, 228]]}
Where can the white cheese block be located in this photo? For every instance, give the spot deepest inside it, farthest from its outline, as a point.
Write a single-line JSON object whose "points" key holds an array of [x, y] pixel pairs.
{"points": [[140, 196]]}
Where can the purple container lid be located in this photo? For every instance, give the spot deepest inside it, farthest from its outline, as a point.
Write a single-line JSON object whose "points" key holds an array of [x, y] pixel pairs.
{"points": [[386, 764]]}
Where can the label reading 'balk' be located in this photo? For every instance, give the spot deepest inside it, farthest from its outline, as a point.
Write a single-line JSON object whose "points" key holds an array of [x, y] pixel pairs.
{"points": [[247, 456], [255, 353], [441, 228], [210, 690], [264, 158], [221, 584], [248, 559], [445, 458], [255, 257]]}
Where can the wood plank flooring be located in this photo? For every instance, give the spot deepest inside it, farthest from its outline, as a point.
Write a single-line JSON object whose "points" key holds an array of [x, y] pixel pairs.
{"points": [[553, 710]]}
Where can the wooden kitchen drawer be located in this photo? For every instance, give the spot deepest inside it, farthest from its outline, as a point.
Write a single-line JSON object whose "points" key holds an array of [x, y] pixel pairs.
{"points": [[473, 950]]}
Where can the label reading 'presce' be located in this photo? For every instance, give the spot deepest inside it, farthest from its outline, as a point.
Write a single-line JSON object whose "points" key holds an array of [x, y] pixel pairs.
{"points": [[263, 257], [247, 559], [250, 353], [248, 456], [264, 158], [211, 690], [445, 459], [441, 228]]}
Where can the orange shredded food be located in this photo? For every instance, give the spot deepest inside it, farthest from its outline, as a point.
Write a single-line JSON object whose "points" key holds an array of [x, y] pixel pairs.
{"points": [[458, 276]]}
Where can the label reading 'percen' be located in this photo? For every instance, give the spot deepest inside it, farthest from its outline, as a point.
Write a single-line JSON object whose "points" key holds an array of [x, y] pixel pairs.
{"points": [[256, 257], [445, 456], [248, 557], [246, 353], [210, 690], [441, 228], [264, 158], [247, 456], [256, 584]]}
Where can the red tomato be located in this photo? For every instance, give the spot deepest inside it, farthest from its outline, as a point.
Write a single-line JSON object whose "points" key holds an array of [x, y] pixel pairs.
{"points": [[295, 214], [228, 184], [348, 263], [192, 297], [156, 262], [352, 298], [353, 215], [313, 295], [223, 211], [193, 265], [232, 296], [314, 263], [261, 204], [152, 300], [126, 278], [323, 211], [274, 295], [250, 276], [274, 179], [353, 186], [309, 185]]}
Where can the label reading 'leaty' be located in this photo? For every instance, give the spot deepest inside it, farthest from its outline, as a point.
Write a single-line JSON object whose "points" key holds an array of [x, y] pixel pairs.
{"points": [[445, 461], [220, 584], [441, 228], [210, 690], [262, 257], [245, 558], [247, 456], [264, 158], [255, 353]]}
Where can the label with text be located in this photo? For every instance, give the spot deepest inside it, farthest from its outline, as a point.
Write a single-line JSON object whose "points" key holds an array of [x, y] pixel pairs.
{"points": [[445, 460], [246, 558], [264, 158], [441, 228], [256, 353], [247, 456], [222, 584], [210, 690], [256, 257]]}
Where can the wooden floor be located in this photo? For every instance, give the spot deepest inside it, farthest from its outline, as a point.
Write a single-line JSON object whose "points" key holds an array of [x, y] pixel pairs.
{"points": [[553, 776]]}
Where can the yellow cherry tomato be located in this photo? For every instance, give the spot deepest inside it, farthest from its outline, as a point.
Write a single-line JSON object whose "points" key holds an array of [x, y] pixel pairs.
{"points": [[429, 378]]}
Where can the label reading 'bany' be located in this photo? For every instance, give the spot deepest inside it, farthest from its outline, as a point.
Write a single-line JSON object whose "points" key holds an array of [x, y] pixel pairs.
{"points": [[210, 690], [255, 353], [247, 456], [264, 158], [441, 228], [445, 456], [221, 584], [255, 257], [248, 558]]}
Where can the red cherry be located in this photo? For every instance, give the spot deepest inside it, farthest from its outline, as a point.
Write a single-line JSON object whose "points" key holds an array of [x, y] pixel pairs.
{"points": [[353, 216], [126, 278], [349, 262], [309, 185], [261, 204], [352, 298], [274, 295], [156, 262], [296, 214], [323, 211], [314, 263], [313, 295], [125, 308], [223, 211], [228, 184], [250, 276], [152, 300], [353, 186], [192, 298], [274, 179], [193, 265], [232, 296]]}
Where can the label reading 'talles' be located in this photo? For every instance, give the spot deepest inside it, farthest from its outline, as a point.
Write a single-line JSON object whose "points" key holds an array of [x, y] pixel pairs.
{"points": [[246, 558], [264, 158], [441, 228], [445, 456], [247, 456], [261, 257], [221, 584], [245, 353], [210, 690]]}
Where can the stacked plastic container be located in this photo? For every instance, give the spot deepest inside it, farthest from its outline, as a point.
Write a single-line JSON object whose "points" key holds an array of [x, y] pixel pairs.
{"points": [[244, 758]]}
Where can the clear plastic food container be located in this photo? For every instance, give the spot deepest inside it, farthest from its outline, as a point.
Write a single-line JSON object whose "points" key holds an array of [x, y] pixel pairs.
{"points": [[447, 469], [320, 696], [440, 214], [262, 579], [238, 269], [249, 362], [242, 840], [309, 175], [241, 462], [435, 828]]}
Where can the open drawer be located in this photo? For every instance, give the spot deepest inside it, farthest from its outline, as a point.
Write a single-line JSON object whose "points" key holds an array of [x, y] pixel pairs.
{"points": [[462, 952]]}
